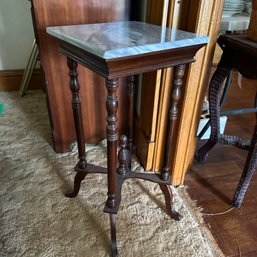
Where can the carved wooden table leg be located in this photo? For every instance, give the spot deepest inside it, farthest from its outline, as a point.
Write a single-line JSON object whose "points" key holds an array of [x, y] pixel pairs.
{"points": [[172, 118], [168, 201], [131, 94], [215, 85], [76, 106], [249, 169], [124, 173], [112, 139]]}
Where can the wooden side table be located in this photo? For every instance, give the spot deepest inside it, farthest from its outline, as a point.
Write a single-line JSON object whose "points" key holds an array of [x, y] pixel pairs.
{"points": [[115, 50], [239, 53]]}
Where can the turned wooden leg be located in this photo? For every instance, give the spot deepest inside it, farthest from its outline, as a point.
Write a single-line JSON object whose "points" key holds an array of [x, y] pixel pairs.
{"points": [[215, 85], [169, 202], [112, 139], [249, 169], [76, 106], [172, 118], [131, 94], [113, 235]]}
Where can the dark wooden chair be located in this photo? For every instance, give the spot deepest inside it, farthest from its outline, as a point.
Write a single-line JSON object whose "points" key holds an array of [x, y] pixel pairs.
{"points": [[239, 53]]}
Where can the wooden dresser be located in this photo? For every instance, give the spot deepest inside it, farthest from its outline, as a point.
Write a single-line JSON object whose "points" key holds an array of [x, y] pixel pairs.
{"points": [[65, 12]]}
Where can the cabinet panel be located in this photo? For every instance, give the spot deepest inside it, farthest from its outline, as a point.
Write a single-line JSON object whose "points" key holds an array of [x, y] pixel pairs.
{"points": [[202, 17]]}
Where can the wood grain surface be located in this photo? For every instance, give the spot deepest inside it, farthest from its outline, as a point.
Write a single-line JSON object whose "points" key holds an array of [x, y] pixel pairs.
{"points": [[65, 12]]}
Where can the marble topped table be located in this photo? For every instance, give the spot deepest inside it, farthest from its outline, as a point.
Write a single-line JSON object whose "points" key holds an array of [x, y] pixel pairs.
{"points": [[115, 50]]}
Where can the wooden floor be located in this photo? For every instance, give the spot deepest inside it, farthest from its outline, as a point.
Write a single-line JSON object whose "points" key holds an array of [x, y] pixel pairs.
{"points": [[213, 184]]}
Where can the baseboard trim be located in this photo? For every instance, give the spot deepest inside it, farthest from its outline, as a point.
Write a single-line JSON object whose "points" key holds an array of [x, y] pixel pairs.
{"points": [[10, 80]]}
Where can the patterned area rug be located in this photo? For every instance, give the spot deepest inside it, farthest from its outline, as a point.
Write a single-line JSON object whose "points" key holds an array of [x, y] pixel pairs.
{"points": [[37, 220]]}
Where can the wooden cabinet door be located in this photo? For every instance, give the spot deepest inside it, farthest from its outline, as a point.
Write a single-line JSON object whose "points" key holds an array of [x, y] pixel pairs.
{"points": [[67, 12], [198, 16], [157, 12]]}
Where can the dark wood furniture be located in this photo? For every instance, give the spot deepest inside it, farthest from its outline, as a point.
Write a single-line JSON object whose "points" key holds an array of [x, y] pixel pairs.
{"points": [[213, 184], [65, 12], [239, 53], [136, 48]]}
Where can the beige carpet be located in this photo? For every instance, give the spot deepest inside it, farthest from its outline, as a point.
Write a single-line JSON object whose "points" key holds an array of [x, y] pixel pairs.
{"points": [[37, 220]]}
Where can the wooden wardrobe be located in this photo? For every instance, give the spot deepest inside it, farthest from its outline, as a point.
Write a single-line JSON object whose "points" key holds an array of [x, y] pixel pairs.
{"points": [[66, 12]]}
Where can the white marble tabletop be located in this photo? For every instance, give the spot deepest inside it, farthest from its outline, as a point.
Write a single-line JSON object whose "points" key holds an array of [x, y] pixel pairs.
{"points": [[123, 39]]}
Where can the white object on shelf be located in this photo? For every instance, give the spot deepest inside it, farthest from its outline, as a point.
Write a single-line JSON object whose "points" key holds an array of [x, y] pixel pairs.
{"points": [[223, 121], [235, 23]]}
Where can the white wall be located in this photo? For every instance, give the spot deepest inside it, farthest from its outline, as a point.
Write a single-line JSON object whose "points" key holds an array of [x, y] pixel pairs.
{"points": [[16, 34]]}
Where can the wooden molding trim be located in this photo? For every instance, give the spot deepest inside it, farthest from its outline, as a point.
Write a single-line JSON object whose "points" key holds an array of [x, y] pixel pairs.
{"points": [[10, 80], [206, 22]]}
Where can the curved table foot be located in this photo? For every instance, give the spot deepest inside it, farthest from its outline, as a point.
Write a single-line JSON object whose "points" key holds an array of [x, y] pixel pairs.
{"points": [[113, 235], [80, 175], [168, 201]]}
